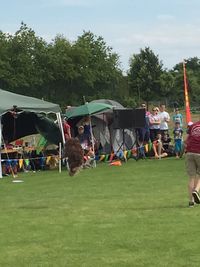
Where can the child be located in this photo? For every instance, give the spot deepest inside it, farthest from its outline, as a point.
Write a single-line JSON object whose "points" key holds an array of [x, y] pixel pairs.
{"points": [[166, 140], [178, 137], [178, 117]]}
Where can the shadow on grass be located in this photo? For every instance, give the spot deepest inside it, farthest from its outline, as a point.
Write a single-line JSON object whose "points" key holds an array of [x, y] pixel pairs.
{"points": [[152, 208], [33, 207]]}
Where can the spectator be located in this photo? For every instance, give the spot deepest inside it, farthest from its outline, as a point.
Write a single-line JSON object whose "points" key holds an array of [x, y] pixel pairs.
{"points": [[85, 141], [178, 138], [144, 133], [86, 123], [178, 117], [158, 148], [66, 129], [164, 119], [166, 140], [154, 123]]}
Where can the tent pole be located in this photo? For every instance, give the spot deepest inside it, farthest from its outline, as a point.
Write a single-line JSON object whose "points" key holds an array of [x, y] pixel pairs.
{"points": [[63, 137], [92, 136], [60, 126], [1, 176], [60, 157]]}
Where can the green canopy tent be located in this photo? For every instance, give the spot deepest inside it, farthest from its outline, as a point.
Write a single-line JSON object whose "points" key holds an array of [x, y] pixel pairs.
{"points": [[25, 103], [88, 109], [21, 115]]}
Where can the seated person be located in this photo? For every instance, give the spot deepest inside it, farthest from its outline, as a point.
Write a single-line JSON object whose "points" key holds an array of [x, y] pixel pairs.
{"points": [[84, 140], [86, 123], [158, 149], [86, 145], [167, 146]]}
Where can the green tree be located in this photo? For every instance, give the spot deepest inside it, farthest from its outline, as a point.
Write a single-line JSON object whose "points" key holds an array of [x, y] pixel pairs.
{"points": [[193, 80], [98, 68], [145, 76]]}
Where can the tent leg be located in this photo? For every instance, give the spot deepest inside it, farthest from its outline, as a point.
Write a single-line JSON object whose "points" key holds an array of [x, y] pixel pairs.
{"points": [[59, 119], [1, 176], [92, 136], [60, 157]]}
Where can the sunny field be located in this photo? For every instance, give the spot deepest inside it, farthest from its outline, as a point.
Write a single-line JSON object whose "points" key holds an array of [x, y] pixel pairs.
{"points": [[133, 215]]}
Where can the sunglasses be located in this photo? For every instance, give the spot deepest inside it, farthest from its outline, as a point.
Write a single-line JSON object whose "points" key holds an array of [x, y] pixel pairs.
{"points": [[155, 110]]}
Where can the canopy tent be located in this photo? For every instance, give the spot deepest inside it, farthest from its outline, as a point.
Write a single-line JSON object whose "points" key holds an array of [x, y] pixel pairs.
{"points": [[9, 100], [19, 117], [87, 109]]}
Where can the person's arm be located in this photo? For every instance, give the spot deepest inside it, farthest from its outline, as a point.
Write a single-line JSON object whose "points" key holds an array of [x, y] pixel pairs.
{"points": [[167, 119], [185, 142]]}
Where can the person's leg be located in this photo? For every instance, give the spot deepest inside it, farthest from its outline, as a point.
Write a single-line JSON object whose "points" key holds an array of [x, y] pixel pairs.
{"points": [[159, 149], [197, 179], [191, 186], [197, 183], [191, 171], [155, 150], [176, 149]]}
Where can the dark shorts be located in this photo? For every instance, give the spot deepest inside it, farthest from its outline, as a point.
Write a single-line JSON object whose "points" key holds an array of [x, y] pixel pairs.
{"points": [[153, 134]]}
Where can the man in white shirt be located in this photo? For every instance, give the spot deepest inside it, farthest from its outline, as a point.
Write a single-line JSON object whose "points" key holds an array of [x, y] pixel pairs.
{"points": [[164, 119]]}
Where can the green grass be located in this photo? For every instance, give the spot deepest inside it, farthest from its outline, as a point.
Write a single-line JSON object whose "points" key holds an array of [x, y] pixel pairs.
{"points": [[133, 215]]}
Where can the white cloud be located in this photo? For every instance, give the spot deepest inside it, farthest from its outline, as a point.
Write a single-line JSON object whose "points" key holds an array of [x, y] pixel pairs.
{"points": [[165, 17], [70, 3]]}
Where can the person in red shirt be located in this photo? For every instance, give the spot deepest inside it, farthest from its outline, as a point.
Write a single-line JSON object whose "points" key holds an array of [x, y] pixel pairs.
{"points": [[66, 129], [192, 145]]}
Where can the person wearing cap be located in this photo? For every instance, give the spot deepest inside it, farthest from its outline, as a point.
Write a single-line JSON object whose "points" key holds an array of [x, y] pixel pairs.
{"points": [[188, 126], [192, 147]]}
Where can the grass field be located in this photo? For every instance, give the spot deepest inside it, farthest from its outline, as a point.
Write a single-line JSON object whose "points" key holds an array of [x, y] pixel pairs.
{"points": [[133, 215]]}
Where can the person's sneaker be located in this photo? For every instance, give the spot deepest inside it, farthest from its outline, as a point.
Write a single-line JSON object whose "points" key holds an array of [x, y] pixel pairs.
{"points": [[191, 204], [196, 197]]}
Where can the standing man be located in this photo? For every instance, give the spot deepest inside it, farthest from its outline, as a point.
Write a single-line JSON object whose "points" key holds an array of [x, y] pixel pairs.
{"points": [[144, 133], [192, 144], [164, 119]]}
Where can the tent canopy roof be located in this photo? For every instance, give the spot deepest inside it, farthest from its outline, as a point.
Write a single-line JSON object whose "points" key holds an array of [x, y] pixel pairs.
{"points": [[26, 103]]}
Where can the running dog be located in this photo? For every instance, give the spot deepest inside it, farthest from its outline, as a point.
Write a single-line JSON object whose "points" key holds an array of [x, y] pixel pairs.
{"points": [[74, 154]]}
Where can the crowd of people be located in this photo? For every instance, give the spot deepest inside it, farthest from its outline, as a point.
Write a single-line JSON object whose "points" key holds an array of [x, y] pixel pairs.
{"points": [[156, 131]]}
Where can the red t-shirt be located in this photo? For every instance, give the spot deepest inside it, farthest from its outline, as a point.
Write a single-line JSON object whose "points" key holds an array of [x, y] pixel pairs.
{"points": [[66, 129], [193, 141]]}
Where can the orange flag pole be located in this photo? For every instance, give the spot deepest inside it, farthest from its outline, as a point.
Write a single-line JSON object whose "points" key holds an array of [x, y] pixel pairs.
{"points": [[187, 103]]}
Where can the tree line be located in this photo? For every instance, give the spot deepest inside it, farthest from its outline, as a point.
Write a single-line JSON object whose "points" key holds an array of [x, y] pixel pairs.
{"points": [[66, 72]]}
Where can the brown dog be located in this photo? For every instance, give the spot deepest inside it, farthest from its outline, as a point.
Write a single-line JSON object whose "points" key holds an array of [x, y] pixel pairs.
{"points": [[74, 152]]}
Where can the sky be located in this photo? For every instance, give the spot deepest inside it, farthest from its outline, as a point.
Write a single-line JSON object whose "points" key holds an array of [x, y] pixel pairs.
{"points": [[170, 28]]}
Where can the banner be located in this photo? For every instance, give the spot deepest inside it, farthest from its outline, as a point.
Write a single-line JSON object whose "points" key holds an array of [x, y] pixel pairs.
{"points": [[187, 103]]}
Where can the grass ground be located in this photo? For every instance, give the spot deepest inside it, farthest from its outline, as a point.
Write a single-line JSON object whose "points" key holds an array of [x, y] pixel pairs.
{"points": [[133, 215]]}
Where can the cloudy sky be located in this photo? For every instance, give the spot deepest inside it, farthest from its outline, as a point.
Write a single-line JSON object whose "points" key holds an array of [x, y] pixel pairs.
{"points": [[170, 28]]}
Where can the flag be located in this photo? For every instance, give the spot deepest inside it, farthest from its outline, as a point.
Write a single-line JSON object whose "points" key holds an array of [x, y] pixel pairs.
{"points": [[187, 103]]}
